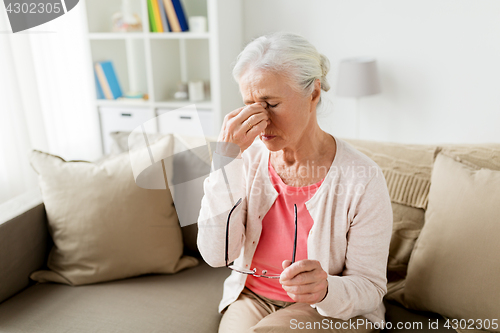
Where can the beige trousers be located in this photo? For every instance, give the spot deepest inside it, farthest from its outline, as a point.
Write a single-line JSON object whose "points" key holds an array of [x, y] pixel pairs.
{"points": [[255, 313]]}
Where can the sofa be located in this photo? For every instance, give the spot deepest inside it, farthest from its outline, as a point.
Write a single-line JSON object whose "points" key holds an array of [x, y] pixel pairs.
{"points": [[187, 300]]}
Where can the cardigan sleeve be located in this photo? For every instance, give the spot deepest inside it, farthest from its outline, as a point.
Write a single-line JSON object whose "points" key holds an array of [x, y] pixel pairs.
{"points": [[363, 283], [221, 191]]}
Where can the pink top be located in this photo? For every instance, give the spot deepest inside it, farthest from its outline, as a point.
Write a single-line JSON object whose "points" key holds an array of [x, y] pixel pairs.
{"points": [[276, 240]]}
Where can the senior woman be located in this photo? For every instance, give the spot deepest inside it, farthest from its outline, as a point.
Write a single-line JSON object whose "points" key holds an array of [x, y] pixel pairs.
{"points": [[302, 218]]}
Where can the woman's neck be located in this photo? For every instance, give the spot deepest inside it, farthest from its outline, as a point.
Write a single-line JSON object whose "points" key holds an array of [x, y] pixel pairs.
{"points": [[310, 147], [306, 163]]}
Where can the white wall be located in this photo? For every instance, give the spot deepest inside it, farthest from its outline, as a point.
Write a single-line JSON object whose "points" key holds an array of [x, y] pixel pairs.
{"points": [[439, 62]]}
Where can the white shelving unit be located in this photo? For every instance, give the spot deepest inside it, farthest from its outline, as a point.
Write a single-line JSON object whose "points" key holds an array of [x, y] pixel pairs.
{"points": [[153, 63]]}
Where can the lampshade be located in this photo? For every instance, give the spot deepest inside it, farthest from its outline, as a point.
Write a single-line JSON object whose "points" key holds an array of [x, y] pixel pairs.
{"points": [[358, 77]]}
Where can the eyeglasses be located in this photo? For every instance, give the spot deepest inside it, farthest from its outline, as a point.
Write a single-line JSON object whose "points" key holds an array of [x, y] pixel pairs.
{"points": [[254, 271]]}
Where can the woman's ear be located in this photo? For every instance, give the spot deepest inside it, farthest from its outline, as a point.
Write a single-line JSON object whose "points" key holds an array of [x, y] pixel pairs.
{"points": [[316, 94]]}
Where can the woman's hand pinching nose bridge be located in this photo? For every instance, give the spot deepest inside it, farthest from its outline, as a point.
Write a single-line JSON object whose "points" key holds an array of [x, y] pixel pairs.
{"points": [[243, 125]]}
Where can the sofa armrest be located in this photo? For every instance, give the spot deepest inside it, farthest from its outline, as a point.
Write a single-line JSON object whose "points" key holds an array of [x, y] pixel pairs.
{"points": [[24, 241]]}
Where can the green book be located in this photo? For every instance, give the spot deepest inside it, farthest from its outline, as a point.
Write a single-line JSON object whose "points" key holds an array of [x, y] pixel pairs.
{"points": [[152, 22]]}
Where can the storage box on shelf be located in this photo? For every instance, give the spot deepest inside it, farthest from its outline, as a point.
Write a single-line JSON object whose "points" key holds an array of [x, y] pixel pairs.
{"points": [[185, 122], [153, 63], [125, 118]]}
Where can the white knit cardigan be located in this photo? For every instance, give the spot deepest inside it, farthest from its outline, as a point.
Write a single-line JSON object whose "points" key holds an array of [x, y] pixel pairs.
{"points": [[350, 236]]}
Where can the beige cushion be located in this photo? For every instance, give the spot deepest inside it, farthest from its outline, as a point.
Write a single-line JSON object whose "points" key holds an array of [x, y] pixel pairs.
{"points": [[407, 169], [104, 226], [485, 155], [191, 160], [454, 267]]}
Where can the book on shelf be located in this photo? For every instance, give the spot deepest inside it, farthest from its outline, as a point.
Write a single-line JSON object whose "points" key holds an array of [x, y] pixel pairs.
{"points": [[98, 88], [181, 14], [163, 15], [107, 80], [156, 14], [172, 16], [167, 16], [152, 22]]}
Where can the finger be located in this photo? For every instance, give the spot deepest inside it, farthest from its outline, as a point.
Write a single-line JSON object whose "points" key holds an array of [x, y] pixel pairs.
{"points": [[234, 113], [286, 263], [313, 276], [306, 298], [299, 267], [317, 274], [229, 116], [306, 288], [251, 120], [249, 110], [239, 127], [254, 120], [257, 129]]}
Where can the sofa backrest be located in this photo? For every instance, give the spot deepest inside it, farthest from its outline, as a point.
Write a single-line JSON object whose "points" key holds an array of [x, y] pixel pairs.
{"points": [[407, 169], [24, 241]]}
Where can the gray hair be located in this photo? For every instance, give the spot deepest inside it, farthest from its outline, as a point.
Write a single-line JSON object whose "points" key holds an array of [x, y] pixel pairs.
{"points": [[287, 54]]}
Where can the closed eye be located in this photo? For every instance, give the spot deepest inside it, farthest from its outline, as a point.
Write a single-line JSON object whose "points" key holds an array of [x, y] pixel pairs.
{"points": [[273, 106]]}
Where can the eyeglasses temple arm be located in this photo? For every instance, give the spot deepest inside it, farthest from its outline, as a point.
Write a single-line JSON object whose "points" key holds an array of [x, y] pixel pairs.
{"points": [[227, 231], [295, 237]]}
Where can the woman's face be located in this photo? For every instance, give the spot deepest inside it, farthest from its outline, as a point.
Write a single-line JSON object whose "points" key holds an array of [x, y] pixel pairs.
{"points": [[292, 115]]}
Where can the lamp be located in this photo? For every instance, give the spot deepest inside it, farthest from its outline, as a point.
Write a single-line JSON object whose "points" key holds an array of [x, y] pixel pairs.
{"points": [[357, 78]]}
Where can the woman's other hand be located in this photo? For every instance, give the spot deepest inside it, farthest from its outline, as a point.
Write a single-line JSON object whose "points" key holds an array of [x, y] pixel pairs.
{"points": [[304, 281], [243, 125]]}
